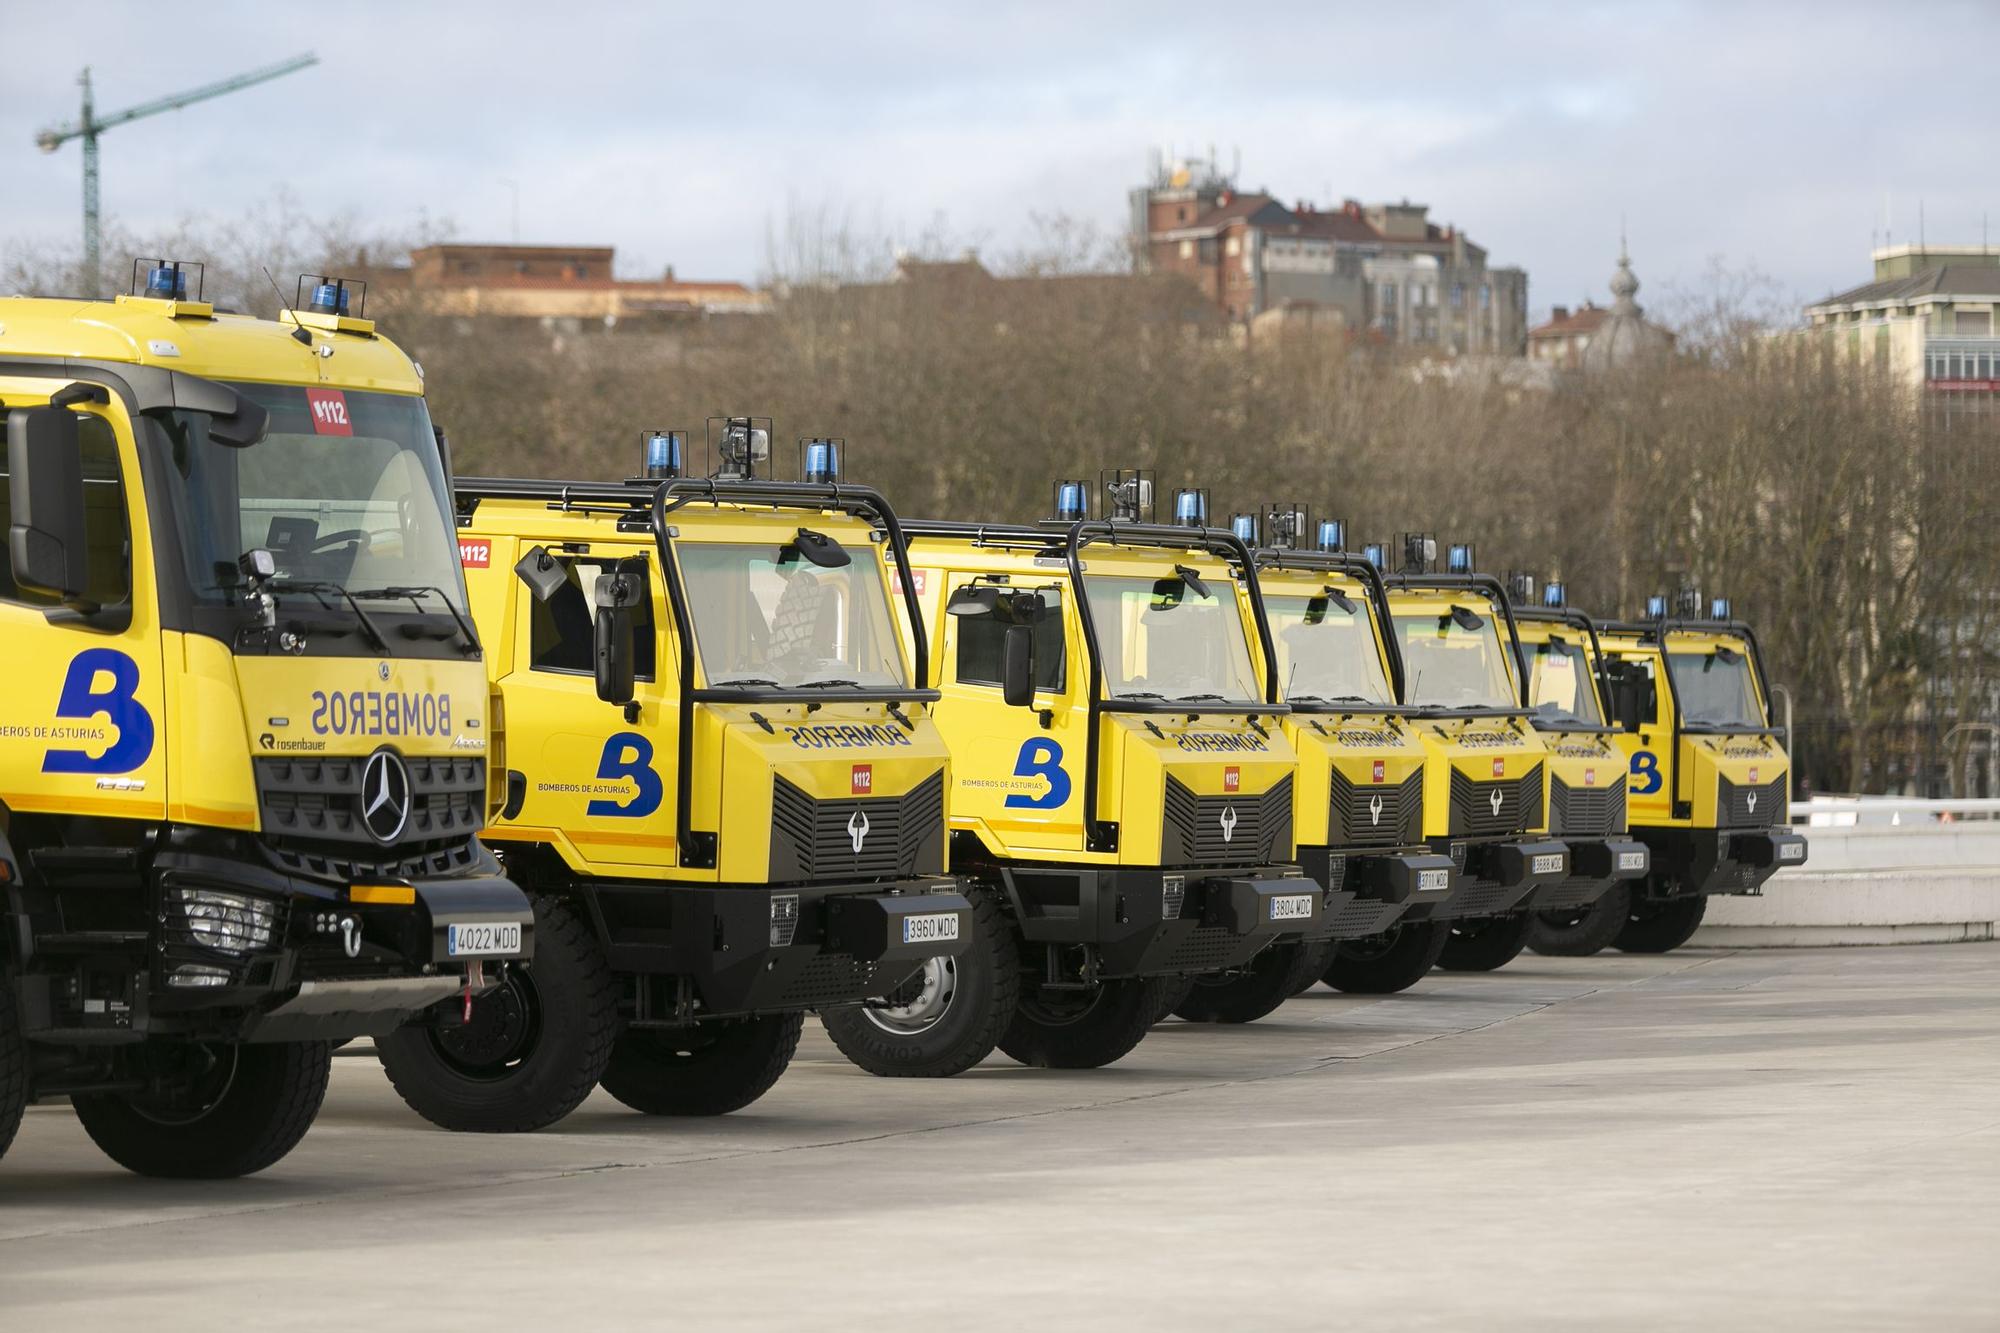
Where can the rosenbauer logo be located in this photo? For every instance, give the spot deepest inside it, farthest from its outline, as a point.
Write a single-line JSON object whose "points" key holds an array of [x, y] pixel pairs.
{"points": [[475, 555], [862, 783]]}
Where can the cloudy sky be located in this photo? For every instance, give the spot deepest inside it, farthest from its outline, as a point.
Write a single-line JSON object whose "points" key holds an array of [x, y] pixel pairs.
{"points": [[1777, 136]]}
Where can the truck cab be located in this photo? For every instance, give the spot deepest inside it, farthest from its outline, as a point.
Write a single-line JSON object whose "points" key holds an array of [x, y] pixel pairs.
{"points": [[723, 787], [243, 761], [1562, 662], [1486, 797], [1709, 777], [1123, 800]]}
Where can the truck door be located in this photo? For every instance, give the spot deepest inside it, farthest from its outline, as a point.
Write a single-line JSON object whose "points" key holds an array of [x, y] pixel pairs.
{"points": [[602, 784], [83, 717]]}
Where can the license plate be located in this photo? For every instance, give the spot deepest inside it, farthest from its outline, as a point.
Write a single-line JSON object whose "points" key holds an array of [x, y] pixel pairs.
{"points": [[932, 928], [1792, 851], [1292, 907], [1433, 881], [1631, 860], [500, 939], [1550, 863]]}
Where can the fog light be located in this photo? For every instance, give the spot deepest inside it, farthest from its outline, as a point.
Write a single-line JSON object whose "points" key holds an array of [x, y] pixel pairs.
{"points": [[231, 923], [195, 974], [784, 919]]}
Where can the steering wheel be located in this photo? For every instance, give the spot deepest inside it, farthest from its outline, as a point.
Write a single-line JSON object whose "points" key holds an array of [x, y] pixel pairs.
{"points": [[359, 538]]}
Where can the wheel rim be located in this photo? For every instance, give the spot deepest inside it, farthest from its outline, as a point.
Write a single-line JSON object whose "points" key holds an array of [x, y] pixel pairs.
{"points": [[505, 1026], [925, 1008], [191, 1101]]}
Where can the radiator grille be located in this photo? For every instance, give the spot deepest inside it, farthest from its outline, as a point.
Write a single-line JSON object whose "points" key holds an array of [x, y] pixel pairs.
{"points": [[1378, 816], [1475, 812], [310, 811], [1586, 812], [874, 837], [1750, 805], [1226, 830]]}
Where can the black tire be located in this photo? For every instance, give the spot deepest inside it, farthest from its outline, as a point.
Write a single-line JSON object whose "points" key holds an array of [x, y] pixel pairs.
{"points": [[709, 1068], [1580, 932], [537, 1044], [242, 1109], [1272, 977], [1083, 1029], [1661, 925], [1174, 991], [948, 1017], [1484, 943], [1395, 960], [13, 1066]]}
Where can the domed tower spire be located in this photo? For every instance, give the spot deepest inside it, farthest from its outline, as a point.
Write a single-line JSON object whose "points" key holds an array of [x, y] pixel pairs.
{"points": [[1624, 283]]}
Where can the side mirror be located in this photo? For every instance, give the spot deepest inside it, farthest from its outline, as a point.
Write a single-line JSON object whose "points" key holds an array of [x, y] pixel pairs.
{"points": [[1017, 666], [47, 539], [542, 572], [618, 594]]}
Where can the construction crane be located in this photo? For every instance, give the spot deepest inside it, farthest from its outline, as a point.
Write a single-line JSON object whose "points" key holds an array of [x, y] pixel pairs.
{"points": [[89, 125]]}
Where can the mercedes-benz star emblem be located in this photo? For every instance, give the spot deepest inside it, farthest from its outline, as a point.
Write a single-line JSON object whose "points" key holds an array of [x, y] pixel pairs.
{"points": [[1494, 801], [1375, 810], [857, 829], [1228, 822], [385, 796]]}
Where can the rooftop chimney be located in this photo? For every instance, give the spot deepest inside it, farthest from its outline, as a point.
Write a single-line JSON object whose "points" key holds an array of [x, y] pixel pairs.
{"points": [[1557, 314]]}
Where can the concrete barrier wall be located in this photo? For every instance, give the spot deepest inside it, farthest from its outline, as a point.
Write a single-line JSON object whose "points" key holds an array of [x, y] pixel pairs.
{"points": [[1919, 882]]}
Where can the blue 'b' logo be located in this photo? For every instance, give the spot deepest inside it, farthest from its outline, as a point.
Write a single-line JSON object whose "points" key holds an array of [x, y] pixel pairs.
{"points": [[627, 754], [119, 702], [1040, 758], [1645, 773]]}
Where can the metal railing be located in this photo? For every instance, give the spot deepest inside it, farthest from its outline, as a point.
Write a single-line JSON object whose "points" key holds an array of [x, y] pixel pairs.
{"points": [[1892, 811]]}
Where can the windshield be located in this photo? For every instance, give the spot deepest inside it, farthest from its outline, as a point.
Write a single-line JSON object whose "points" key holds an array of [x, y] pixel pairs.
{"points": [[1162, 639], [1326, 651], [1559, 682], [1449, 665], [345, 489], [1716, 690], [765, 616]]}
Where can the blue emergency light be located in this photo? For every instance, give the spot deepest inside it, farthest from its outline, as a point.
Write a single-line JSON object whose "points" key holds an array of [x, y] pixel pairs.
{"points": [[1332, 535], [1191, 508], [1072, 497], [167, 282], [1376, 554], [1656, 606], [1718, 608], [1245, 528], [666, 453], [328, 298], [1458, 560], [822, 463], [1555, 595]]}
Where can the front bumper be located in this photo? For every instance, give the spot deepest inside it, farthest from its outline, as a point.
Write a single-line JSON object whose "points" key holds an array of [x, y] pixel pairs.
{"points": [[1495, 877], [1686, 862], [341, 960], [1372, 890], [756, 948], [1150, 921], [1595, 865]]}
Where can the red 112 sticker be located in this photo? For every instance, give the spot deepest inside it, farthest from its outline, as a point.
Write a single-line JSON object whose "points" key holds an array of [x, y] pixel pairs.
{"points": [[329, 412]]}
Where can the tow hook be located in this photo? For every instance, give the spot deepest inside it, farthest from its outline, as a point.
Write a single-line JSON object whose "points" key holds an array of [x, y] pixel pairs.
{"points": [[475, 980]]}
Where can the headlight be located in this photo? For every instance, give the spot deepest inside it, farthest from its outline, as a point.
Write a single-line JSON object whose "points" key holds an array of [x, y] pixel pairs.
{"points": [[227, 922], [194, 974]]}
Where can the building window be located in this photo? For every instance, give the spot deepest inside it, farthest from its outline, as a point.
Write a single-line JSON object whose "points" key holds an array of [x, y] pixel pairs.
{"points": [[1388, 296], [1233, 245], [1485, 298], [1976, 322], [1187, 249], [1458, 296]]}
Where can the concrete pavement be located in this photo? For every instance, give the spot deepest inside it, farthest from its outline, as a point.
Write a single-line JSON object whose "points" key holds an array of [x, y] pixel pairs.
{"points": [[1704, 1140]]}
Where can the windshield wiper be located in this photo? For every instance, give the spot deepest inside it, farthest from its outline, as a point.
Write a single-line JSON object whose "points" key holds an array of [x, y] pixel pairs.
{"points": [[742, 680], [416, 593], [828, 685], [319, 589], [1140, 694], [1336, 699], [1200, 698]]}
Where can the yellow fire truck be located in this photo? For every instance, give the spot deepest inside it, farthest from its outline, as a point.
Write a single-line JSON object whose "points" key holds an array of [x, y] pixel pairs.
{"points": [[243, 757]]}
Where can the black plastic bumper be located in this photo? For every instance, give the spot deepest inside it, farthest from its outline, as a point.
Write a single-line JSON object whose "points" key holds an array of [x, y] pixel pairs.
{"points": [[1373, 889], [1595, 865], [1495, 877], [754, 948], [1686, 862], [1148, 921]]}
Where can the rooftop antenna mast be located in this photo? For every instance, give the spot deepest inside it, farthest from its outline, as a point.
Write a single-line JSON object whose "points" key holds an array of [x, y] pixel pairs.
{"points": [[89, 125]]}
